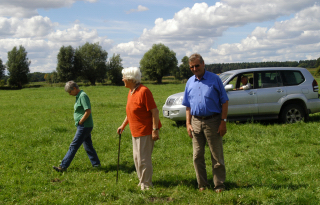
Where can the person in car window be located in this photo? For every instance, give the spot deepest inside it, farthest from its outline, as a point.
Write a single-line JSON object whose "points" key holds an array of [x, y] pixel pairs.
{"points": [[143, 119], [206, 115], [245, 84], [84, 123]]}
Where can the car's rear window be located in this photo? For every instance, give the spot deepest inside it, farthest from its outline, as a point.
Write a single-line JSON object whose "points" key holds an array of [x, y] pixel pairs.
{"points": [[292, 77]]}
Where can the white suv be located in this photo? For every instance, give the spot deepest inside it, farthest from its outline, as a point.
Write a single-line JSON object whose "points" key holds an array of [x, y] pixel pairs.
{"points": [[287, 94]]}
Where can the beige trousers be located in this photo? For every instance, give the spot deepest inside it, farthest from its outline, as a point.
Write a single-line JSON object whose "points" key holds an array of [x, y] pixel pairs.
{"points": [[206, 131], [142, 150]]}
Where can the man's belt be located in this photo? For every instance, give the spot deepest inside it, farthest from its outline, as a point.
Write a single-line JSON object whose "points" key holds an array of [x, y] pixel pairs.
{"points": [[206, 117]]}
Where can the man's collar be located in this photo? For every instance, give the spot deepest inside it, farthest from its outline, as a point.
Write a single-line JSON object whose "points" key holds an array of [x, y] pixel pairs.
{"points": [[203, 77], [79, 93]]}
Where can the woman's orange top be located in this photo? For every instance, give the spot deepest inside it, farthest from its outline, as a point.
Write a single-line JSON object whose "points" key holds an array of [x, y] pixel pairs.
{"points": [[138, 109]]}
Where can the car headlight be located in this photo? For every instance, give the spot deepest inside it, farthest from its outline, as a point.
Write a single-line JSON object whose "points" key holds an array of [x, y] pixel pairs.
{"points": [[178, 101]]}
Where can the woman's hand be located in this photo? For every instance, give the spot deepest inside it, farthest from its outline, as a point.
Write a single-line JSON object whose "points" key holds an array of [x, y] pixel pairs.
{"points": [[124, 124], [155, 135], [120, 130]]}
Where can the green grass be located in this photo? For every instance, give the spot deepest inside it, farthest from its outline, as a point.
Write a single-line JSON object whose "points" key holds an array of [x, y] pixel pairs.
{"points": [[267, 162]]}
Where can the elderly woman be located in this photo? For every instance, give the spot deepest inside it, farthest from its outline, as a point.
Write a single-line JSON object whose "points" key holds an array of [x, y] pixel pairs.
{"points": [[84, 123], [144, 123]]}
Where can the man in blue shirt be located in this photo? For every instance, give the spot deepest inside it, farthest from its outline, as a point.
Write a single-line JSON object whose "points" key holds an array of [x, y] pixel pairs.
{"points": [[207, 108]]}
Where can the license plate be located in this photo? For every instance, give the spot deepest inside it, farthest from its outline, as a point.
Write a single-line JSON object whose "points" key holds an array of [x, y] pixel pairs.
{"points": [[166, 113]]}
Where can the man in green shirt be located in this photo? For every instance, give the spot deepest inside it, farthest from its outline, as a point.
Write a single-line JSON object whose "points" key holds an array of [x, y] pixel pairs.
{"points": [[84, 123]]}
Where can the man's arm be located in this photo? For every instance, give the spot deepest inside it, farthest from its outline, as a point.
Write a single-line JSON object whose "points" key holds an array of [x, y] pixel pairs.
{"points": [[188, 122], [85, 116], [223, 127]]}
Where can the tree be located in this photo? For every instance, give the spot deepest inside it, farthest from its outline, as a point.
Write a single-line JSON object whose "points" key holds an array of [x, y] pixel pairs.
{"points": [[185, 72], [55, 77], [317, 63], [317, 73], [66, 68], [91, 60], [2, 68], [114, 67], [18, 66], [158, 62], [36, 77]]}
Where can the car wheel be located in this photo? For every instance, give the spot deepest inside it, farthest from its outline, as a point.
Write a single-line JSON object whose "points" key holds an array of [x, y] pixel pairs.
{"points": [[292, 113], [180, 123]]}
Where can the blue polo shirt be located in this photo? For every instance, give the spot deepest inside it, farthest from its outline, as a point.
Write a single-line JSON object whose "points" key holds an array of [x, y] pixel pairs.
{"points": [[205, 96]]}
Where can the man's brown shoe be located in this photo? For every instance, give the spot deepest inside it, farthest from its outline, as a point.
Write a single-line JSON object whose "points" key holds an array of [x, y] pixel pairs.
{"points": [[202, 189], [219, 190], [59, 169]]}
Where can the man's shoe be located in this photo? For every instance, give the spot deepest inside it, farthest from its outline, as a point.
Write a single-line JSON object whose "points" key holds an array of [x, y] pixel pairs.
{"points": [[59, 169], [202, 189], [97, 167], [219, 190]]}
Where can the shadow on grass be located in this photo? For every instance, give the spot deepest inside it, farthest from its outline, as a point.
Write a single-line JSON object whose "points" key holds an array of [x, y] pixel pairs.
{"points": [[173, 181], [179, 124], [125, 167], [290, 186], [314, 118], [176, 181]]}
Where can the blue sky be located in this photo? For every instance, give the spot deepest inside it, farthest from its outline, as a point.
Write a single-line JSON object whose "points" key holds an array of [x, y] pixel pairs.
{"points": [[221, 31]]}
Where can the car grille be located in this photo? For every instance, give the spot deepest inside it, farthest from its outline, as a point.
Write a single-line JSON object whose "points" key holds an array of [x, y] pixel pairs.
{"points": [[170, 101]]}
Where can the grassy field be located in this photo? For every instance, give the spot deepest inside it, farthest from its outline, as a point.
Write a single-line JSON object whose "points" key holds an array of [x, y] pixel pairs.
{"points": [[267, 163]]}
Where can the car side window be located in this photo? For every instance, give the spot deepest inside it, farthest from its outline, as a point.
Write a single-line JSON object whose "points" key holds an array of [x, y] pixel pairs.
{"points": [[292, 77], [243, 81], [269, 79], [233, 81]]}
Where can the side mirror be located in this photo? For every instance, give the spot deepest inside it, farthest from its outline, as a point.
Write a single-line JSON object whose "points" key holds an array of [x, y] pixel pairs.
{"points": [[228, 87]]}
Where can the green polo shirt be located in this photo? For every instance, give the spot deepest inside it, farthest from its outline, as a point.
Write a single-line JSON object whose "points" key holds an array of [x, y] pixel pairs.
{"points": [[81, 105]]}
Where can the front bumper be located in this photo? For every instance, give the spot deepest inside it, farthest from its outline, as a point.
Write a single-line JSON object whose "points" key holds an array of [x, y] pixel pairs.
{"points": [[175, 112]]}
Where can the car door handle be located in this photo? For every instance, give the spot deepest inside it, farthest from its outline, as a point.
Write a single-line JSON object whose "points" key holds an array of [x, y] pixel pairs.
{"points": [[251, 93], [279, 91]]}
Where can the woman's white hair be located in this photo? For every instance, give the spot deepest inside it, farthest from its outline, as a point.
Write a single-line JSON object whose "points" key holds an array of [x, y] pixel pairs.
{"points": [[132, 73]]}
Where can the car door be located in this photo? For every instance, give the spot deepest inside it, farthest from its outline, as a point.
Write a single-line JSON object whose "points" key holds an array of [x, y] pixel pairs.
{"points": [[270, 90], [241, 102]]}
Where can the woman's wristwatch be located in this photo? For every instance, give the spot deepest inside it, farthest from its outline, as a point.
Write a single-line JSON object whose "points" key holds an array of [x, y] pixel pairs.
{"points": [[154, 129], [224, 120]]}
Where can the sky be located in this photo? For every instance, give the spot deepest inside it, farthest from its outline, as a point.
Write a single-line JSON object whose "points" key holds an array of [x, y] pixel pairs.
{"points": [[224, 31]]}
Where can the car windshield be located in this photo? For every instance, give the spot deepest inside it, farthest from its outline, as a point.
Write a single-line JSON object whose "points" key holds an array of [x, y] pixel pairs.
{"points": [[224, 76]]}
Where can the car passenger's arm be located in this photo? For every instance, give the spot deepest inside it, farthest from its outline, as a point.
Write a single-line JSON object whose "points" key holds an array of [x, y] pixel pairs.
{"points": [[188, 122]]}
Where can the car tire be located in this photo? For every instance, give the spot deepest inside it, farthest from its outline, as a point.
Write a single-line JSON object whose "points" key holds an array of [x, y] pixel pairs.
{"points": [[180, 123], [292, 113]]}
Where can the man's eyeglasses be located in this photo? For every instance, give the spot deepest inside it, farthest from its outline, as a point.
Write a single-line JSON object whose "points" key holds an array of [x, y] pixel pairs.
{"points": [[194, 66]]}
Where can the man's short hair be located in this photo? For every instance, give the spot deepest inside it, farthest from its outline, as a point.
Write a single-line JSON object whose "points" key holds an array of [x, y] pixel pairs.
{"points": [[70, 85], [196, 56]]}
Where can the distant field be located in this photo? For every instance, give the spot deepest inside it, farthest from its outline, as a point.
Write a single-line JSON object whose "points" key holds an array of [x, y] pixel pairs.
{"points": [[267, 163]]}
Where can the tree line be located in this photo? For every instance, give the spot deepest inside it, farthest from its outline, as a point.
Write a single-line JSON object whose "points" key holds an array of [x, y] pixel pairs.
{"points": [[89, 63], [223, 67]]}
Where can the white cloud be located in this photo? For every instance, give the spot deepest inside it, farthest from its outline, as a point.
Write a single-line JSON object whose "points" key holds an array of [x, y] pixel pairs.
{"points": [[296, 38], [139, 9], [43, 51], [190, 30], [28, 8], [36, 26], [196, 30]]}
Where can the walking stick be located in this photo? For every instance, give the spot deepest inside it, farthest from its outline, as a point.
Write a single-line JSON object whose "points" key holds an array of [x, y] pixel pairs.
{"points": [[118, 154]]}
